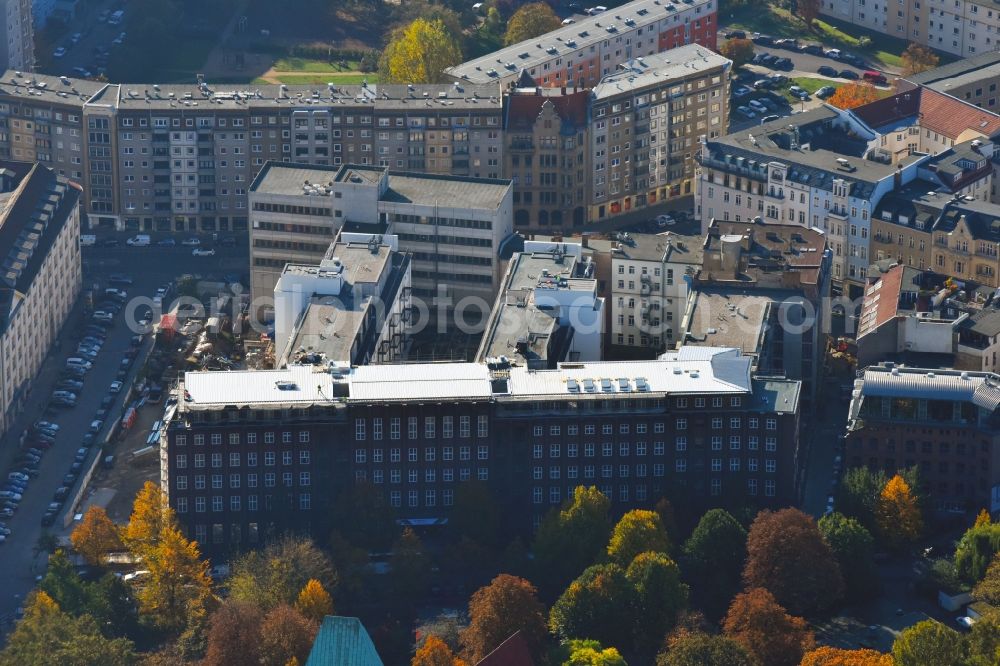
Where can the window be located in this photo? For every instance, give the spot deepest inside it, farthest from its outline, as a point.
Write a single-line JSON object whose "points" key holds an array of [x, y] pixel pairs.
{"points": [[394, 428], [464, 426], [234, 459], [359, 429], [429, 427], [304, 478], [360, 456], [304, 457], [682, 424], [483, 427]]}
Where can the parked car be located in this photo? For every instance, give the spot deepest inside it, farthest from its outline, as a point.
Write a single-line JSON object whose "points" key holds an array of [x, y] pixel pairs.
{"points": [[228, 241], [757, 106], [46, 425], [746, 112], [782, 63], [763, 40], [811, 49], [826, 70], [848, 74], [191, 242], [199, 252], [119, 278], [761, 84], [59, 52], [825, 92], [166, 242], [736, 34], [741, 91], [833, 54], [115, 387]]}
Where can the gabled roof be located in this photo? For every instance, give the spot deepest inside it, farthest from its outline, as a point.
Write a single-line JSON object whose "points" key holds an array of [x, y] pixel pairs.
{"points": [[935, 111], [343, 641], [524, 106], [512, 652]]}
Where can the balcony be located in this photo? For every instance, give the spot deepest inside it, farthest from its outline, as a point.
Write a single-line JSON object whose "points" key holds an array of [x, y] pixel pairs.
{"points": [[522, 146]]}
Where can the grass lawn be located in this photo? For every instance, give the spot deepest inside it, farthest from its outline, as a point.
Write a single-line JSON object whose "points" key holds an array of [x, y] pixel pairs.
{"points": [[310, 65], [322, 79], [182, 63]]}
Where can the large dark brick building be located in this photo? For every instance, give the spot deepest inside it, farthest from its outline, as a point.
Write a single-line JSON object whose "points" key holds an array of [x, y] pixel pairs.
{"points": [[258, 452], [946, 422]]}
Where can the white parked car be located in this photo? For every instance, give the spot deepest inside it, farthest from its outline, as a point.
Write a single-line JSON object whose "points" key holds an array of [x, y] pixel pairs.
{"points": [[665, 221], [198, 252], [193, 242], [965, 621], [59, 52]]}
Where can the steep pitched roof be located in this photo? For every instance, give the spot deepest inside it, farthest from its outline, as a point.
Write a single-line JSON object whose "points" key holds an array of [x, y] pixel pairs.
{"points": [[343, 641], [523, 107], [512, 652], [937, 112]]}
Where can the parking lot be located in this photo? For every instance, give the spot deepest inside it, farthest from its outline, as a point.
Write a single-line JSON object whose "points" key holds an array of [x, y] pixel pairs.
{"points": [[85, 46], [149, 268]]}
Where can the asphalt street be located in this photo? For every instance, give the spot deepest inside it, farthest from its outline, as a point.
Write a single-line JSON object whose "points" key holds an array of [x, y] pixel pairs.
{"points": [[93, 34], [150, 267]]}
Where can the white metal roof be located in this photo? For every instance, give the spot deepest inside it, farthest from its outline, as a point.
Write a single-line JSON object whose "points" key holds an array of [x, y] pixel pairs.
{"points": [[980, 388], [420, 381], [296, 384], [707, 370]]}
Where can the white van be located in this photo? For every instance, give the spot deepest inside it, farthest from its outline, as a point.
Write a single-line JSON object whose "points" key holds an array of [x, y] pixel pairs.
{"points": [[140, 240], [116, 17], [88, 239]]}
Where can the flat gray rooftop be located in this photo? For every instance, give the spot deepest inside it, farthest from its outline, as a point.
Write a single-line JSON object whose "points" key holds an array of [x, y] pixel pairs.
{"points": [[728, 318], [288, 178], [446, 191], [674, 64]]}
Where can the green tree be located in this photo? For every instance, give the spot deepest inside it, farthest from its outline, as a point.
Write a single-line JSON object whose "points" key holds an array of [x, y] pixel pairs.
{"points": [[761, 625], [658, 597], [859, 492], [740, 51], [700, 649], [410, 567], [983, 641], [507, 605], [929, 642], [854, 548], [787, 556], [530, 21], [276, 574], [591, 653], [571, 538], [713, 560], [419, 53], [638, 531], [46, 635], [975, 551], [494, 22], [598, 604]]}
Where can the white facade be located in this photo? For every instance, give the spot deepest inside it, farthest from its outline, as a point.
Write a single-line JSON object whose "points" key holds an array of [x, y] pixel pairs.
{"points": [[18, 36]]}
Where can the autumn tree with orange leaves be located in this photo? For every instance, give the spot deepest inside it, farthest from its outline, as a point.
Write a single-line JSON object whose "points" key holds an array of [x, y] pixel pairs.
{"points": [[435, 652], [853, 95], [897, 514], [756, 621], [96, 536], [831, 656]]}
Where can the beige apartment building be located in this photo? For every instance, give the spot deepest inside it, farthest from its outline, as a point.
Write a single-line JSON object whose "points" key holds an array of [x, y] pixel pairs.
{"points": [[40, 243], [965, 28]]}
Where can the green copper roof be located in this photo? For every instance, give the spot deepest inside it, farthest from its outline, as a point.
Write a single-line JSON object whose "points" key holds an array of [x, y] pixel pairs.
{"points": [[343, 641]]}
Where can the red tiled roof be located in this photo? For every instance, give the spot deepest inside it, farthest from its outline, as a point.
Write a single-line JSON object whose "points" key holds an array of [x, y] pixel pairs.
{"points": [[938, 112], [523, 108], [512, 652], [889, 109], [950, 117], [881, 301]]}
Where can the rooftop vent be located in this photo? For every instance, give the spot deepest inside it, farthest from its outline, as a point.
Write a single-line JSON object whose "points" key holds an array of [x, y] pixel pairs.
{"points": [[285, 385]]}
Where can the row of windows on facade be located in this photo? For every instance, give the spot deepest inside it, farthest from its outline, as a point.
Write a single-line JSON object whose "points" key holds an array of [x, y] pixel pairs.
{"points": [[735, 422], [269, 479], [641, 470], [236, 503], [430, 454], [430, 476], [235, 459], [641, 448], [641, 492], [251, 438], [430, 427]]}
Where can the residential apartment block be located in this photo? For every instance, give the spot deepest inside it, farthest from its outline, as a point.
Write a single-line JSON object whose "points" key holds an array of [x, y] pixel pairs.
{"points": [[18, 34], [973, 79], [452, 227], [650, 278], [251, 453], [40, 243], [822, 170], [181, 158], [584, 52], [965, 28], [945, 422], [929, 230]]}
